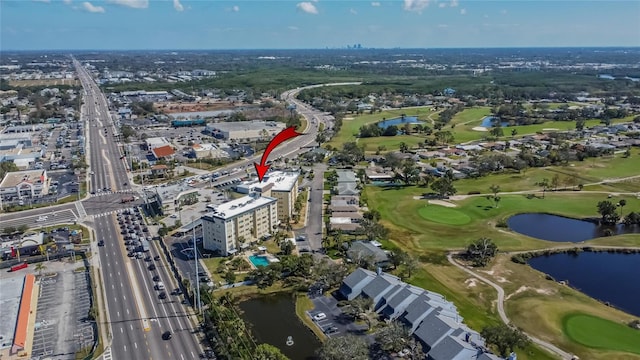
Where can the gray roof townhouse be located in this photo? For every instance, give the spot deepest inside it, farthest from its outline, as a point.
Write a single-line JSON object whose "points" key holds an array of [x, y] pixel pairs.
{"points": [[432, 319]]}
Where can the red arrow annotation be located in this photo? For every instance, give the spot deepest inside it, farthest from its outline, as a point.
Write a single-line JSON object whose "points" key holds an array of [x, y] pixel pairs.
{"points": [[281, 137]]}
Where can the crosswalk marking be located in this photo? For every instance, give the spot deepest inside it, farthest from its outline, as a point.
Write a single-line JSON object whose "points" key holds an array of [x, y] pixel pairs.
{"points": [[81, 211], [104, 214], [113, 192], [107, 355]]}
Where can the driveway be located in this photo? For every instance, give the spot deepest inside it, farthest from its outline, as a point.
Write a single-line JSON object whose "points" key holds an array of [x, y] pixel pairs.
{"points": [[335, 317]]}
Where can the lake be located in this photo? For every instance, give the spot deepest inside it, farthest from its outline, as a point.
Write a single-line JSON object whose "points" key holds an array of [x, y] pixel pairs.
{"points": [[487, 122], [608, 277], [562, 229], [399, 121], [272, 318]]}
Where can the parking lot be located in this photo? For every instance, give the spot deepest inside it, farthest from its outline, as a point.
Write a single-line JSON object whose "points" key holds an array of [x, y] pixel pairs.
{"points": [[335, 322], [62, 327]]}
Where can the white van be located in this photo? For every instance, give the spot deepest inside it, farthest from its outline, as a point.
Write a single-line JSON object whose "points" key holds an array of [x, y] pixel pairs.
{"points": [[160, 285]]}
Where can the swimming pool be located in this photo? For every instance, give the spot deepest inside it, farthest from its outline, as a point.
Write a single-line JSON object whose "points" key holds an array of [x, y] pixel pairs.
{"points": [[259, 261]]}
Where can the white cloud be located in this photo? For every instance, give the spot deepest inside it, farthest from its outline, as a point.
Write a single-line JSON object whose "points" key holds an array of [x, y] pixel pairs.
{"points": [[294, 28], [442, 5], [503, 12], [136, 4], [353, 11], [92, 8], [307, 7], [463, 11], [42, 1], [415, 5], [235, 8], [443, 26], [453, 3], [177, 5], [375, 4], [68, 2]]}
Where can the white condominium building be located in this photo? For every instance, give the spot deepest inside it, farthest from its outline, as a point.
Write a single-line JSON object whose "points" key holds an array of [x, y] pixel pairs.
{"points": [[285, 190], [233, 225]]}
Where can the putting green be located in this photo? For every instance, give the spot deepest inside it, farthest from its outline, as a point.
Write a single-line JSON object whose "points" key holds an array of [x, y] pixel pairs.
{"points": [[598, 333], [443, 215]]}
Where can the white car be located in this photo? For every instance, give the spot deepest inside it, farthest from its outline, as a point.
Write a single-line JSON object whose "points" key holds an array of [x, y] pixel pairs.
{"points": [[319, 316], [42, 218]]}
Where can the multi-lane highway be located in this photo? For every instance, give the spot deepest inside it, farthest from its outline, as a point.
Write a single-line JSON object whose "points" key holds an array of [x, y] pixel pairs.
{"points": [[138, 317]]}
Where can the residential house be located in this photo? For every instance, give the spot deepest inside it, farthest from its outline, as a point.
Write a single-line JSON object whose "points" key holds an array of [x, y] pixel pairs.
{"points": [[159, 171], [429, 316], [362, 250]]}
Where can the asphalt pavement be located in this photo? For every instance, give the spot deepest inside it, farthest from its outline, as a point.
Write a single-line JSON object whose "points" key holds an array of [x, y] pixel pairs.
{"points": [[136, 315]]}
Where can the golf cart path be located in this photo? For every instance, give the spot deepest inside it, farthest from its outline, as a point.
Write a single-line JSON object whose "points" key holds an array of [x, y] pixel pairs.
{"points": [[503, 316]]}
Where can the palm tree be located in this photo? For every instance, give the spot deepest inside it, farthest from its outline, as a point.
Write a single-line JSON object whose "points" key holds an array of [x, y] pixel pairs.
{"points": [[622, 203], [545, 185], [40, 267]]}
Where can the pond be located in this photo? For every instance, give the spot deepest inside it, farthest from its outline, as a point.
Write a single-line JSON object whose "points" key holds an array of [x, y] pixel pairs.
{"points": [[608, 277], [488, 122], [563, 229], [272, 318], [399, 121]]}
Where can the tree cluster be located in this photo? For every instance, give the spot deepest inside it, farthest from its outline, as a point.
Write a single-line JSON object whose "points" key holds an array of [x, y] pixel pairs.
{"points": [[505, 338], [480, 252]]}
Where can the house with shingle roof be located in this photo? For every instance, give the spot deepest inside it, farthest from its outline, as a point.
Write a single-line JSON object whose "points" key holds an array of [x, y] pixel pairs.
{"points": [[432, 319], [354, 283]]}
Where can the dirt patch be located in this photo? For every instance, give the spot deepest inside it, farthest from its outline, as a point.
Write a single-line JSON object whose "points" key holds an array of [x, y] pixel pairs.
{"points": [[347, 118], [520, 289], [480, 128], [500, 279], [471, 282], [442, 203], [525, 288]]}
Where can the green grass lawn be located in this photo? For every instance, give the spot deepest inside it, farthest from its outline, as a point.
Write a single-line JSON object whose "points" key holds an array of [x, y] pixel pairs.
{"points": [[351, 127], [465, 133], [598, 333], [443, 215], [390, 142], [588, 171], [472, 114], [408, 226]]}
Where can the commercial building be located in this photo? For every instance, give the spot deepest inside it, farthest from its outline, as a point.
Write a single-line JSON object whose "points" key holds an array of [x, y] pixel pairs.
{"points": [[211, 151], [156, 142], [24, 185], [232, 226], [245, 130]]}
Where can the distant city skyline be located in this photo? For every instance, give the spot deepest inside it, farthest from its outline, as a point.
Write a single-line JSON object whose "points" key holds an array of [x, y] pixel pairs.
{"points": [[314, 24]]}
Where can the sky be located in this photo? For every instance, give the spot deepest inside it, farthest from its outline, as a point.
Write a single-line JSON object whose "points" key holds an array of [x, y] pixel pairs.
{"points": [[317, 24]]}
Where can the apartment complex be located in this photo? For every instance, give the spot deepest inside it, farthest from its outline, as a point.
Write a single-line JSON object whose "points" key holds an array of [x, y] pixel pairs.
{"points": [[27, 184], [285, 190], [232, 226]]}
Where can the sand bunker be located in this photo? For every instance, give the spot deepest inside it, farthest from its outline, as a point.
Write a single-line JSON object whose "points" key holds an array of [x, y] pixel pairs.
{"points": [[347, 118], [442, 203], [550, 129], [479, 128], [471, 282], [525, 288]]}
